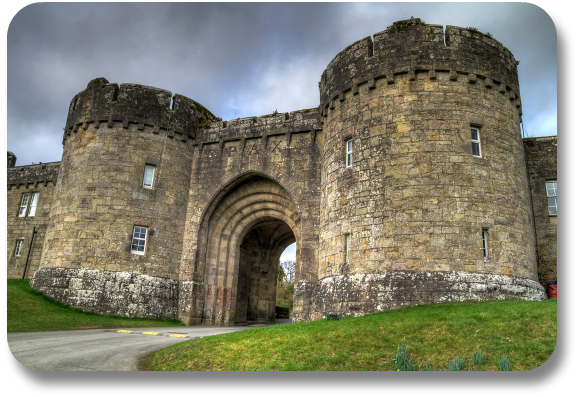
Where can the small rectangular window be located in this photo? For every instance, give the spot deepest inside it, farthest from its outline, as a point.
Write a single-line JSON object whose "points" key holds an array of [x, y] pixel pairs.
{"points": [[139, 238], [24, 205], [347, 248], [552, 193], [148, 176], [349, 157], [476, 143], [485, 245], [33, 204], [18, 248]]}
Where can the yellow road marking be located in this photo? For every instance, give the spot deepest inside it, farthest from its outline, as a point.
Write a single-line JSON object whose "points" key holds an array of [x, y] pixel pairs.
{"points": [[150, 333], [123, 331], [178, 336]]}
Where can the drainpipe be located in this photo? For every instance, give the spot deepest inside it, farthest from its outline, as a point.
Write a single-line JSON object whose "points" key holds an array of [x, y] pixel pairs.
{"points": [[29, 248]]}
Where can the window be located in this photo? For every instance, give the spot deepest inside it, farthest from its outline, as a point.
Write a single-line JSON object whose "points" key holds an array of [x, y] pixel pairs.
{"points": [[24, 205], [139, 238], [476, 144], [347, 247], [485, 247], [24, 208], [552, 193], [33, 203], [149, 174], [18, 248], [349, 157]]}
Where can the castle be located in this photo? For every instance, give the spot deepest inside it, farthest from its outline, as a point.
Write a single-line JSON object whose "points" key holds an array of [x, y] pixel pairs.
{"points": [[409, 184]]}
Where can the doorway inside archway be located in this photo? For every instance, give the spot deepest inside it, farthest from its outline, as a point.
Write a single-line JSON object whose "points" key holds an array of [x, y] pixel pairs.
{"points": [[261, 250]]}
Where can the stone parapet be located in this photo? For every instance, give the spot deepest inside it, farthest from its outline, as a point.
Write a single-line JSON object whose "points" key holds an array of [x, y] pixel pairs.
{"points": [[36, 174], [359, 294], [306, 120], [103, 102], [111, 293], [411, 46]]}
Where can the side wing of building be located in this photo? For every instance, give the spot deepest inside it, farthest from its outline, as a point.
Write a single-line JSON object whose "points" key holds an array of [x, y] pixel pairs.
{"points": [[542, 164], [29, 199]]}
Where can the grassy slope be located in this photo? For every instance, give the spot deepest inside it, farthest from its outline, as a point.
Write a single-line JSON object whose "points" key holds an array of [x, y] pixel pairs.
{"points": [[442, 332], [30, 310]]}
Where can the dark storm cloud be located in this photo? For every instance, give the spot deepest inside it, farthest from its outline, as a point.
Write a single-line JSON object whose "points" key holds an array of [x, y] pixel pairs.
{"points": [[238, 60]]}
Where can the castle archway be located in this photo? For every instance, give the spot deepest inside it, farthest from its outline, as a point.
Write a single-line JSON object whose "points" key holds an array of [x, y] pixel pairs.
{"points": [[246, 233]]}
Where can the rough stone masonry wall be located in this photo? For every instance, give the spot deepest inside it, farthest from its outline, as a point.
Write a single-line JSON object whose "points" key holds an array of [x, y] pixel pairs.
{"points": [[281, 147], [416, 199], [359, 294], [111, 134], [126, 294], [39, 178], [542, 162]]}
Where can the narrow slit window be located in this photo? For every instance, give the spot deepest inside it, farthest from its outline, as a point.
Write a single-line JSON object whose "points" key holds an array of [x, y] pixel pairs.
{"points": [[33, 204], [349, 157], [24, 205], [148, 176], [476, 143], [552, 193], [139, 238], [485, 246], [347, 248], [18, 248]]}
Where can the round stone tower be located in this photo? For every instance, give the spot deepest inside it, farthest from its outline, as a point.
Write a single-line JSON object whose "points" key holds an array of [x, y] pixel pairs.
{"points": [[424, 191], [104, 202]]}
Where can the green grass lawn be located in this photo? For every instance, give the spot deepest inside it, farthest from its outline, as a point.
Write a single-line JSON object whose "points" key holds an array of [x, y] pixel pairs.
{"points": [[30, 310], [437, 332]]}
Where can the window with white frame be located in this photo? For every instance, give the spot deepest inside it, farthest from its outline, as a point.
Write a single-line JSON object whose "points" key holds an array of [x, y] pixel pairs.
{"points": [[485, 245], [349, 155], [476, 142], [552, 193], [28, 205], [347, 248], [149, 174], [33, 203], [18, 247], [139, 239], [24, 205]]}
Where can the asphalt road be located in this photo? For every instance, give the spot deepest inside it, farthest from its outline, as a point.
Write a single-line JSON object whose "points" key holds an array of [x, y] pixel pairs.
{"points": [[101, 350]]}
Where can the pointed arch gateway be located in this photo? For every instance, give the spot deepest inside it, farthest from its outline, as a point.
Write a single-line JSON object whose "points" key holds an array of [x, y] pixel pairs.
{"points": [[246, 232]]}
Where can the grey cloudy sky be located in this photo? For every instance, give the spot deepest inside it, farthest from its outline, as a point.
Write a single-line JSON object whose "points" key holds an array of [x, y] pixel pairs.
{"points": [[236, 59]]}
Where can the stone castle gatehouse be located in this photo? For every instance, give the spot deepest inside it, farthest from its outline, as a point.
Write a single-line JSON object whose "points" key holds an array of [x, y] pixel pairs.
{"points": [[409, 184]]}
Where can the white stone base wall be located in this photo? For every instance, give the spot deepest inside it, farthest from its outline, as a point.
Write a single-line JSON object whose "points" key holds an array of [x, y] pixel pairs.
{"points": [[112, 293], [359, 294]]}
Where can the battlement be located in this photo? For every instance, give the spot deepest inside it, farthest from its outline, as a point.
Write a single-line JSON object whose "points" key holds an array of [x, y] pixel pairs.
{"points": [[35, 174], [305, 120], [134, 103], [412, 46]]}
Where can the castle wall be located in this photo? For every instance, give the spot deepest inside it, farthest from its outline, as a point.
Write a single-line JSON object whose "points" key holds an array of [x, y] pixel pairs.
{"points": [[281, 147], [99, 196], [415, 198], [413, 206], [39, 178], [542, 162]]}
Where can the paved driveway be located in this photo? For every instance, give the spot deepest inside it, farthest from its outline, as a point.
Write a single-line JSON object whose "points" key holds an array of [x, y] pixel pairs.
{"points": [[102, 350]]}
